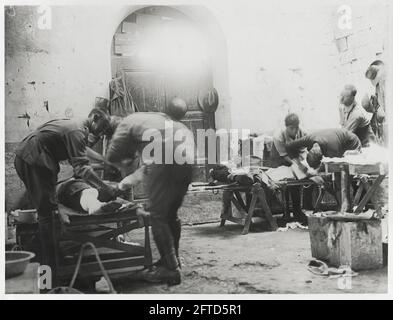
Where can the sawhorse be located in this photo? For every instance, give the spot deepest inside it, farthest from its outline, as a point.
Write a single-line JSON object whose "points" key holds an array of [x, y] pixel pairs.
{"points": [[253, 194]]}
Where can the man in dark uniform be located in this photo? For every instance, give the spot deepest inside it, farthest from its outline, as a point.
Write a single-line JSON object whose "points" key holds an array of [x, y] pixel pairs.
{"points": [[167, 181], [326, 142], [37, 164]]}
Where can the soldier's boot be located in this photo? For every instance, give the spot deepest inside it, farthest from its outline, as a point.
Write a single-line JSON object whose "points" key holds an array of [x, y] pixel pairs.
{"points": [[168, 272]]}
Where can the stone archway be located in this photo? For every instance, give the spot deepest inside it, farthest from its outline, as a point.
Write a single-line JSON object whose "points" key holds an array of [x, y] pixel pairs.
{"points": [[141, 54]]}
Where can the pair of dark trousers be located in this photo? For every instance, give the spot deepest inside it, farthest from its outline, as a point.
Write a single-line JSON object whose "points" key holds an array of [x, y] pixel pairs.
{"points": [[167, 185], [40, 184], [295, 192]]}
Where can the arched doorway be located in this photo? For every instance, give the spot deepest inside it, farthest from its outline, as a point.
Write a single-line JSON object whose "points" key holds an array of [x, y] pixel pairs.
{"points": [[160, 53]]}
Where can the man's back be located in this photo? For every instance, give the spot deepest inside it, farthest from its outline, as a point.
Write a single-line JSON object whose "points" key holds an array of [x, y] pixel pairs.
{"points": [[139, 129], [334, 142], [54, 141]]}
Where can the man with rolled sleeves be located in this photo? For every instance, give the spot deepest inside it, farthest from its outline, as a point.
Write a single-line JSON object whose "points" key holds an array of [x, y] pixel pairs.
{"points": [[37, 164]]}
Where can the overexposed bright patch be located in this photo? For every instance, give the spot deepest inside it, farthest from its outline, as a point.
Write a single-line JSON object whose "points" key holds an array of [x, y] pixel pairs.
{"points": [[176, 46]]}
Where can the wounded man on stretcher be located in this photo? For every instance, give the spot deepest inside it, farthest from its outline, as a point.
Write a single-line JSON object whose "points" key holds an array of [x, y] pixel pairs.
{"points": [[80, 196]]}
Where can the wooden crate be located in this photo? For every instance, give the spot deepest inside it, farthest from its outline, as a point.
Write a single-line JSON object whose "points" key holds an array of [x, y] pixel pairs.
{"points": [[357, 244]]}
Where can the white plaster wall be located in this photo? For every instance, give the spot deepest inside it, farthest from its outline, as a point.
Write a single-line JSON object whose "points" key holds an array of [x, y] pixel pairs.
{"points": [[280, 57], [283, 57]]}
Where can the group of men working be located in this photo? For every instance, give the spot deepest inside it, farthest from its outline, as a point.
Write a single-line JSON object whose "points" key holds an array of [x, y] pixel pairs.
{"points": [[37, 164], [359, 127], [38, 156]]}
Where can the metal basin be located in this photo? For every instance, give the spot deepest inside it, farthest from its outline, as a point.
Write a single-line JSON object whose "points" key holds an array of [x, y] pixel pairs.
{"points": [[16, 262]]}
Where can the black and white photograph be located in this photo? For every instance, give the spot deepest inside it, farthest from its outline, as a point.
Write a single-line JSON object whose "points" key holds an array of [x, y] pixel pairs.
{"points": [[183, 149]]}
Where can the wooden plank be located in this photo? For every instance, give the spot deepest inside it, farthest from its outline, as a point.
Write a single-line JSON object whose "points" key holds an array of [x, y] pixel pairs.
{"points": [[92, 268], [344, 189], [118, 231], [370, 192], [321, 193], [105, 243], [331, 167], [226, 205], [89, 256], [250, 213], [285, 201], [266, 209], [359, 193], [240, 200], [239, 207], [355, 169], [240, 221], [101, 219]]}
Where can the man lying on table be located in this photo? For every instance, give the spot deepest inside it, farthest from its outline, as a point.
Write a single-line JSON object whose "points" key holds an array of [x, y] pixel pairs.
{"points": [[82, 197], [330, 143]]}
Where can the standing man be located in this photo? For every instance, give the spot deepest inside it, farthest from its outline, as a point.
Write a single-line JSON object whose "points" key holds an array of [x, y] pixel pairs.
{"points": [[354, 118], [326, 143], [376, 73], [167, 180], [37, 164], [281, 157]]}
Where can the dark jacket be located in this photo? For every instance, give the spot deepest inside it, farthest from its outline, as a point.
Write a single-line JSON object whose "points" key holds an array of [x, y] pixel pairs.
{"points": [[55, 141], [333, 142], [128, 139]]}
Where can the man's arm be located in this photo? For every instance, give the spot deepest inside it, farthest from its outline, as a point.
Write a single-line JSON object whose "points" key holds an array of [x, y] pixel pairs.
{"points": [[121, 146], [279, 144], [304, 142], [132, 179], [352, 142], [361, 120], [93, 155], [77, 155], [341, 115]]}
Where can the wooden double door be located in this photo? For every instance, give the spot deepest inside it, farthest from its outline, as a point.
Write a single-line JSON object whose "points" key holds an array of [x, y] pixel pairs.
{"points": [[152, 91]]}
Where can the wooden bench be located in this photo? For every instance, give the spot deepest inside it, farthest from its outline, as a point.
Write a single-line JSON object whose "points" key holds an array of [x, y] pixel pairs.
{"points": [[232, 195], [375, 174], [255, 200], [103, 231]]}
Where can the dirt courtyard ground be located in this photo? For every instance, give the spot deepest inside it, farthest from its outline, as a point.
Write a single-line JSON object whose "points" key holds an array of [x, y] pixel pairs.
{"points": [[221, 260]]}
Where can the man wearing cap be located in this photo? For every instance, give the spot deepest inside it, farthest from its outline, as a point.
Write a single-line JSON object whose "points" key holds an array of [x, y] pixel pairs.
{"points": [[37, 164], [326, 142], [354, 118], [281, 157], [167, 178]]}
